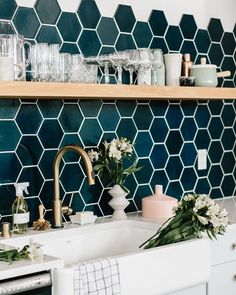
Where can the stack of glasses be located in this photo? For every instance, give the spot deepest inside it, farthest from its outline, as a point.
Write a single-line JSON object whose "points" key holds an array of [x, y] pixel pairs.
{"points": [[49, 65]]}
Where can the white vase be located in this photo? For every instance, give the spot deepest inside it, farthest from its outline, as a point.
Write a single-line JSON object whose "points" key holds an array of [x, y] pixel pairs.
{"points": [[118, 202]]}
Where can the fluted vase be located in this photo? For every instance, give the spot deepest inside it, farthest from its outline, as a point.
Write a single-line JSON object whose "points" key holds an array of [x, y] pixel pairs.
{"points": [[118, 202]]}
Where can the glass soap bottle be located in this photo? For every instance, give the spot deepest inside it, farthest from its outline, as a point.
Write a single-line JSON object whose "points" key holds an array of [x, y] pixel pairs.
{"points": [[20, 211]]}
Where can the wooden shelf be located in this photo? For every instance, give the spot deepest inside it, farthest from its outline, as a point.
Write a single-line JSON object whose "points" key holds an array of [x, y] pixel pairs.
{"points": [[45, 90]]}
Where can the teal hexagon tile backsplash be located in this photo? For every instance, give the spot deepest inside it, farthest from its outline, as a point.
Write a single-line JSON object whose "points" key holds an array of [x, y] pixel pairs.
{"points": [[29, 150], [125, 18], [9, 135], [12, 168], [215, 29], [188, 26], [107, 39], [48, 34], [69, 26], [166, 134], [89, 14], [48, 11], [174, 38], [158, 22], [8, 108], [7, 9], [26, 22]]}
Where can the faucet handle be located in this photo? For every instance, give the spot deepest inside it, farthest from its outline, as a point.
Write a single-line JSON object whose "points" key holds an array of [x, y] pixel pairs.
{"points": [[66, 210]]}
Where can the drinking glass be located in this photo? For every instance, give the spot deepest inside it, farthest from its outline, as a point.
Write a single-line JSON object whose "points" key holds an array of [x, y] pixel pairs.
{"points": [[119, 59], [132, 63], [77, 68], [54, 61], [144, 67], [64, 66], [91, 74], [157, 63], [40, 70], [104, 61]]}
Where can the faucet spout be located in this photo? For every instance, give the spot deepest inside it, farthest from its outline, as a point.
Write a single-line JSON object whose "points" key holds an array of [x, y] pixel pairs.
{"points": [[57, 205]]}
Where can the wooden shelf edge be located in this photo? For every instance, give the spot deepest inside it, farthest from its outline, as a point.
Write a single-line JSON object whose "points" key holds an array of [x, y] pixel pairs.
{"points": [[45, 90]]}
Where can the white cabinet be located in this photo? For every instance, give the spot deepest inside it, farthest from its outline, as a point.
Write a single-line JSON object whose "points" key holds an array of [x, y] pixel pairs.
{"points": [[197, 290], [223, 271], [223, 279]]}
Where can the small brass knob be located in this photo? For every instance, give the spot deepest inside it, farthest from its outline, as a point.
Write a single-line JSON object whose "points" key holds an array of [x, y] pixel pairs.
{"points": [[234, 246]]}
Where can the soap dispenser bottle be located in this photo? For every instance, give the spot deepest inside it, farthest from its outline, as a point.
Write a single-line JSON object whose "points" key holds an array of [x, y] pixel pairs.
{"points": [[20, 210]]}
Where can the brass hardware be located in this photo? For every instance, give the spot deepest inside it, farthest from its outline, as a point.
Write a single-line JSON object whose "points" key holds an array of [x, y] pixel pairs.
{"points": [[6, 230], [58, 209], [234, 277], [234, 246]]}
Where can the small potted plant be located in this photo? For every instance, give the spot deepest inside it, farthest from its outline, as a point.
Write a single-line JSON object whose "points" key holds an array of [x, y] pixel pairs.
{"points": [[115, 160]]}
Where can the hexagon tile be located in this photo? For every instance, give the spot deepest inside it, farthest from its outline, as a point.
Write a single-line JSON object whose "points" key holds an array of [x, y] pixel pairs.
{"points": [[166, 134]]}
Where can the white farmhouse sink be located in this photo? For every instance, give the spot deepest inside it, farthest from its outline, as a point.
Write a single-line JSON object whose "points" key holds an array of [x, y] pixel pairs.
{"points": [[150, 272]]}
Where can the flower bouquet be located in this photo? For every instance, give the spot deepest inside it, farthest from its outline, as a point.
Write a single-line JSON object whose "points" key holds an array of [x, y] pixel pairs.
{"points": [[115, 160], [112, 159], [194, 215]]}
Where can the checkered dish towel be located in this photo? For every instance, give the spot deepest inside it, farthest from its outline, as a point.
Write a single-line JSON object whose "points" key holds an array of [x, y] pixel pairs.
{"points": [[97, 277]]}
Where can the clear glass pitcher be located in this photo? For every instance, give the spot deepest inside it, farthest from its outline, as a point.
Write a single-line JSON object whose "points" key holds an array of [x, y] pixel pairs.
{"points": [[14, 46]]}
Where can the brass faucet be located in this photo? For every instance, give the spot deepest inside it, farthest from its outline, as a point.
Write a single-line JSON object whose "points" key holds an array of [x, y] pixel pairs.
{"points": [[58, 209]]}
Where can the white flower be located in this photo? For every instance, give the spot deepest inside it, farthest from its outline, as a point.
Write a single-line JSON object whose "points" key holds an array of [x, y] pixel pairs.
{"points": [[223, 213], [93, 155], [126, 147], [202, 219], [215, 221], [201, 202], [35, 251], [189, 197], [213, 210], [114, 152], [106, 144], [123, 145]]}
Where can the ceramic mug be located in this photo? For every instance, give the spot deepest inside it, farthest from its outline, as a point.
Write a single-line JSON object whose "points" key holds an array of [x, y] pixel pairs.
{"points": [[173, 63]]}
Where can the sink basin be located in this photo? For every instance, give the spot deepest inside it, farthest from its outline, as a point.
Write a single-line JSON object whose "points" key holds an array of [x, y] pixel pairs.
{"points": [[155, 271], [79, 243]]}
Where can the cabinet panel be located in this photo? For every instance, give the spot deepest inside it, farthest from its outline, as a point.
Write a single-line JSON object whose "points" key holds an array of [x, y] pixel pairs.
{"points": [[224, 248], [223, 280], [197, 290]]}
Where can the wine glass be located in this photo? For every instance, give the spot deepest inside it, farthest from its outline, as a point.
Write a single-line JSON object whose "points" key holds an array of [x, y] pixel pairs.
{"points": [[132, 63], [104, 61], [157, 63], [119, 59], [144, 66]]}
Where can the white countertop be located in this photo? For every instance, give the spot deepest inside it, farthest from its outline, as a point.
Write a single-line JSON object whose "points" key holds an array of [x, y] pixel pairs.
{"points": [[24, 267]]}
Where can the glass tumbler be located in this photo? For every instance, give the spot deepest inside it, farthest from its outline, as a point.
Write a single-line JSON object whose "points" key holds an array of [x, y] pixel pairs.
{"points": [[40, 62], [54, 62], [64, 66], [144, 68], [77, 68]]}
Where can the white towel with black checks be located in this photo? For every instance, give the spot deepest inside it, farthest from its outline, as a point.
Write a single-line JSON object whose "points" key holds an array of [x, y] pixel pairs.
{"points": [[97, 277]]}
